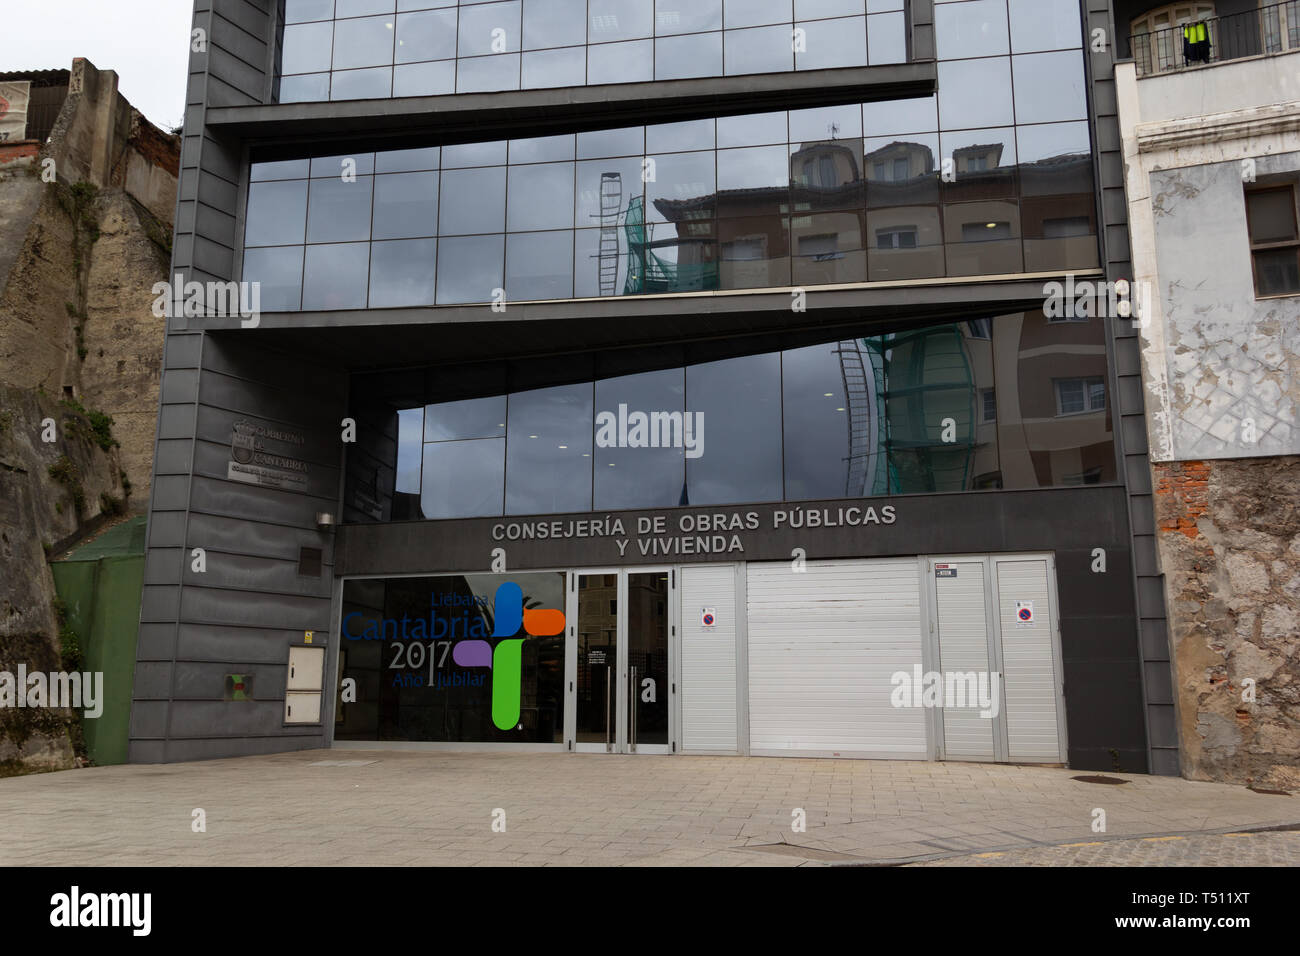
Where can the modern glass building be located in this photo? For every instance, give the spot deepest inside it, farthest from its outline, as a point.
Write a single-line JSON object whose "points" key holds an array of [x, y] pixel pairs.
{"points": [[647, 376]]}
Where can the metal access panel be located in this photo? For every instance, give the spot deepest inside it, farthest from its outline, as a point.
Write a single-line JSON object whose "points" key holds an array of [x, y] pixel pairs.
{"points": [[963, 626], [306, 668], [302, 707], [304, 683], [1033, 681], [707, 652]]}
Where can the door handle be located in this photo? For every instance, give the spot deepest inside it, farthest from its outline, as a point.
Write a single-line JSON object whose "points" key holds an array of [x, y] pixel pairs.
{"points": [[631, 703], [608, 704]]}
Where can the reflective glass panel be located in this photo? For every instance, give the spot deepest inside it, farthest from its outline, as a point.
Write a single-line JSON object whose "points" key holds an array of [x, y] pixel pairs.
{"points": [[335, 276], [739, 458], [548, 464], [632, 412], [402, 273]]}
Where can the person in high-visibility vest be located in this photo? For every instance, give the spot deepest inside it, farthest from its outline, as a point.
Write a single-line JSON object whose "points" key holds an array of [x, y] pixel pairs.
{"points": [[1196, 42]]}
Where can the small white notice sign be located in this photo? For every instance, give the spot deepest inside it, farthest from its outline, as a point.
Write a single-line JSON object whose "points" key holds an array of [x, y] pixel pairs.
{"points": [[1024, 612], [708, 617]]}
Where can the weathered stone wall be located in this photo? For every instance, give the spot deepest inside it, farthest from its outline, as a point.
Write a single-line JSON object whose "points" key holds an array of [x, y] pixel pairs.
{"points": [[122, 338], [1229, 543], [82, 255], [80, 258]]}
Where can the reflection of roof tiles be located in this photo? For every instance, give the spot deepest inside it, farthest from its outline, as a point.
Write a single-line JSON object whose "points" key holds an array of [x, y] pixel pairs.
{"points": [[673, 209], [38, 77]]}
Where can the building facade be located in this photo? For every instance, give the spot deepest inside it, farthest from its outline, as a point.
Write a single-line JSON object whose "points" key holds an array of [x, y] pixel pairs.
{"points": [[1212, 149], [636, 376]]}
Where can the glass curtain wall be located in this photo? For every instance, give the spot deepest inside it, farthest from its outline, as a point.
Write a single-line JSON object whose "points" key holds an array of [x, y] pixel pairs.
{"points": [[365, 49], [1019, 401]]}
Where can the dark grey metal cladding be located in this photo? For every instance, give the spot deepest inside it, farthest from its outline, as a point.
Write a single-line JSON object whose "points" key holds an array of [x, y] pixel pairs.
{"points": [[476, 332], [249, 603], [372, 458], [1126, 381], [1061, 519], [246, 645], [470, 117]]}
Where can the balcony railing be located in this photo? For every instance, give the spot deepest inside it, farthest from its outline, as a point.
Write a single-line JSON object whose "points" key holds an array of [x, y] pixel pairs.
{"points": [[1270, 29]]}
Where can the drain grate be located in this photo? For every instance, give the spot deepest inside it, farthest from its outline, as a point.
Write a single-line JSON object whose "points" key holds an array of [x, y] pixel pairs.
{"points": [[1276, 793], [342, 763], [1098, 778]]}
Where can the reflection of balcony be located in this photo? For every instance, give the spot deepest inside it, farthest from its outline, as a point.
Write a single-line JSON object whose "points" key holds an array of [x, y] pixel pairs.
{"points": [[649, 272], [1268, 30], [887, 216]]}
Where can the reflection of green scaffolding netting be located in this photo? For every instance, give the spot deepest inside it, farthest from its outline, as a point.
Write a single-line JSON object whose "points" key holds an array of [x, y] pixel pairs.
{"points": [[648, 272], [921, 378]]}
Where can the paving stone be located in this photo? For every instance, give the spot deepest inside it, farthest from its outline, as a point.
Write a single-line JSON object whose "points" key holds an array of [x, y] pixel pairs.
{"points": [[436, 809]]}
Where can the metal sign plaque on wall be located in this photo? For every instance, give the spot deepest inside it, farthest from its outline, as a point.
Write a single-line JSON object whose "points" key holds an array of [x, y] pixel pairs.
{"points": [[254, 459]]}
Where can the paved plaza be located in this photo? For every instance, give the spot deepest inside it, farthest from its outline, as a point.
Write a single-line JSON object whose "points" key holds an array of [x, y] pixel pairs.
{"points": [[419, 808]]}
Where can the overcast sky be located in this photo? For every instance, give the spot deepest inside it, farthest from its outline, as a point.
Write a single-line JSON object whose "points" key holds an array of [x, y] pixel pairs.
{"points": [[146, 42]]}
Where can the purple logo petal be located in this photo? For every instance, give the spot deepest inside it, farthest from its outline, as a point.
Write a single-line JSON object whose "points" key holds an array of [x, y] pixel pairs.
{"points": [[472, 653]]}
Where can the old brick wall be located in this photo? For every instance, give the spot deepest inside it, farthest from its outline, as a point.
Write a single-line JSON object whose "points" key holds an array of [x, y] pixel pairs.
{"points": [[1229, 542]]}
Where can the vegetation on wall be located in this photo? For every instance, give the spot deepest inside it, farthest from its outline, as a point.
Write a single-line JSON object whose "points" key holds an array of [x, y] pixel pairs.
{"points": [[65, 473], [92, 424]]}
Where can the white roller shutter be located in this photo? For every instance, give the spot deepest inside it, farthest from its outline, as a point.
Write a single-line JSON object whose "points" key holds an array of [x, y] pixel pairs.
{"points": [[823, 646], [1028, 666], [708, 655]]}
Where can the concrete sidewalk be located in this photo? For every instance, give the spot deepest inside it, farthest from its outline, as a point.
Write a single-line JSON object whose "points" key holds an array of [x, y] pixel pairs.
{"points": [[400, 807]]}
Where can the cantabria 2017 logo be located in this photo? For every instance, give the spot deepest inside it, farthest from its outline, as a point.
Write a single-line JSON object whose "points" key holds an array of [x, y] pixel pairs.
{"points": [[506, 660]]}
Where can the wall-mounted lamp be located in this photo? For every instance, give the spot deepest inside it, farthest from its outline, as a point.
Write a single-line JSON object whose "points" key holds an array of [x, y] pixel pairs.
{"points": [[324, 520]]}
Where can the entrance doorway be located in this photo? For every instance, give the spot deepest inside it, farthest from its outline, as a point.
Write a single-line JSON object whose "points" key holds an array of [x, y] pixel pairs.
{"points": [[621, 691]]}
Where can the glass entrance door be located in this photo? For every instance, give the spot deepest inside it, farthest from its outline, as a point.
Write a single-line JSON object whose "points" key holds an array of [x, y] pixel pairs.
{"points": [[597, 654], [620, 644], [646, 721]]}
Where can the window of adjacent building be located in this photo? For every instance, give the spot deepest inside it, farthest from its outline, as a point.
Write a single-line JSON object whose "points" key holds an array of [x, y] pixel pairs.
{"points": [[744, 248], [1271, 220], [989, 404], [820, 247], [1077, 396], [899, 237], [1157, 37]]}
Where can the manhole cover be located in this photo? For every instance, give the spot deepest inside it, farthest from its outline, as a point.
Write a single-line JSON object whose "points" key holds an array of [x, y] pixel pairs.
{"points": [[1097, 778]]}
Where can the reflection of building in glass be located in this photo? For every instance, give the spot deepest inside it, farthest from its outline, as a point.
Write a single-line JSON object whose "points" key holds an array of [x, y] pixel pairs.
{"points": [[1018, 401], [846, 216]]}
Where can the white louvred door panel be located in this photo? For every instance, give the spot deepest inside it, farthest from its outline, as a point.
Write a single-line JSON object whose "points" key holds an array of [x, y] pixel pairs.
{"points": [[708, 688], [823, 647], [964, 650], [1028, 665]]}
